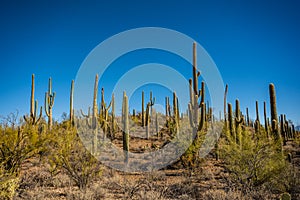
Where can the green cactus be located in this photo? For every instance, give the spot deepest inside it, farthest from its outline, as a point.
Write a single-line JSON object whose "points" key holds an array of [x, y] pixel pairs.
{"points": [[225, 104], [274, 117], [147, 119], [49, 102], [196, 124], [156, 125], [143, 106], [238, 121], [266, 119], [71, 103], [168, 111], [33, 118], [125, 127], [113, 120], [247, 116], [175, 112], [152, 102], [104, 113], [283, 128], [257, 122], [230, 122]]}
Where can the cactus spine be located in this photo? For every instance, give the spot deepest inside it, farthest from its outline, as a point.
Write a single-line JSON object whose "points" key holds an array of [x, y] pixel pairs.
{"points": [[33, 118], [125, 127], [49, 102], [71, 103]]}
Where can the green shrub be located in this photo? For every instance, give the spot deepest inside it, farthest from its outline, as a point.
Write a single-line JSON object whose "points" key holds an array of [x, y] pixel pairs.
{"points": [[256, 162], [70, 155]]}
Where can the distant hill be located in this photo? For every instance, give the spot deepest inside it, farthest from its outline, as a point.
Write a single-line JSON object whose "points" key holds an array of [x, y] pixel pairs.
{"points": [[297, 128]]}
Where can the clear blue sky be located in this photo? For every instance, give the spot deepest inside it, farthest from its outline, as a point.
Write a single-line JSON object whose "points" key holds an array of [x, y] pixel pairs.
{"points": [[253, 43]]}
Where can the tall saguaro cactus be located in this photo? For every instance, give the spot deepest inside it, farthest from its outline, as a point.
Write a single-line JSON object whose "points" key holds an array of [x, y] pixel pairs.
{"points": [[125, 127], [175, 112], [225, 104], [33, 118], [257, 121], [143, 106], [71, 103], [274, 116], [238, 121], [265, 119], [230, 122], [196, 124], [49, 102], [104, 113]]}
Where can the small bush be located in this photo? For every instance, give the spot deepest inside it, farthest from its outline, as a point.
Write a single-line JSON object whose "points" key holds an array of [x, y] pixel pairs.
{"points": [[70, 155]]}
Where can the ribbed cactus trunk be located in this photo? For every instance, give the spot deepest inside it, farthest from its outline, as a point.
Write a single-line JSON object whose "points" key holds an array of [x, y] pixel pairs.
{"points": [[143, 106], [238, 121], [247, 116], [257, 121], [230, 122], [71, 103], [156, 125], [274, 116], [225, 104], [147, 119], [266, 119], [175, 113], [33, 119], [193, 106], [168, 111], [94, 115], [113, 122], [32, 101], [49, 102], [125, 127]]}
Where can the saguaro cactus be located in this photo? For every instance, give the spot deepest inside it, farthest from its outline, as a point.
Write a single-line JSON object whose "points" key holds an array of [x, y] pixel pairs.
{"points": [[33, 118], [113, 122], [265, 119], [225, 104], [143, 106], [49, 102], [175, 112], [147, 119], [195, 123], [247, 116], [257, 121], [274, 116], [230, 122], [71, 103], [125, 127], [168, 111], [238, 121], [104, 113], [152, 102]]}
